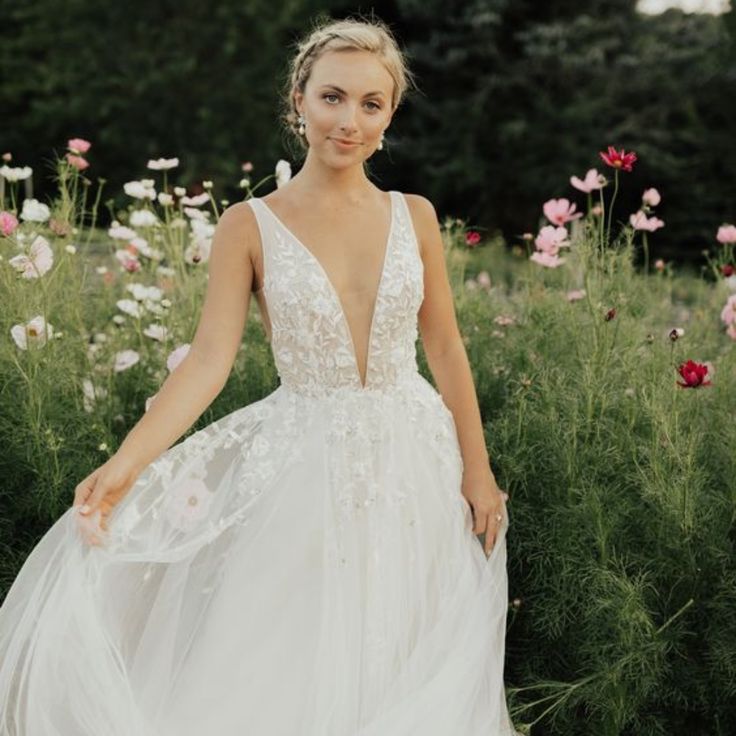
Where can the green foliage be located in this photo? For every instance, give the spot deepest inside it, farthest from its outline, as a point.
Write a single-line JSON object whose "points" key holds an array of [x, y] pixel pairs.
{"points": [[622, 492]]}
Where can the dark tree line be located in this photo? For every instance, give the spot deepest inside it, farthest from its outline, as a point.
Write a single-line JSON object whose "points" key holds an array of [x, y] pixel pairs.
{"points": [[514, 98]]}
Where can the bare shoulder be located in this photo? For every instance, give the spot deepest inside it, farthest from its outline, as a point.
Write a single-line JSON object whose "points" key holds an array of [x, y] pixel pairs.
{"points": [[424, 217], [239, 222]]}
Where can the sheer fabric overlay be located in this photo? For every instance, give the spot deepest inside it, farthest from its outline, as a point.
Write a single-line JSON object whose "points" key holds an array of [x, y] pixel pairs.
{"points": [[304, 565]]}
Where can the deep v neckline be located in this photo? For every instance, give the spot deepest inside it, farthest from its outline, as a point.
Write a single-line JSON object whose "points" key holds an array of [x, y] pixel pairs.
{"points": [[333, 290]]}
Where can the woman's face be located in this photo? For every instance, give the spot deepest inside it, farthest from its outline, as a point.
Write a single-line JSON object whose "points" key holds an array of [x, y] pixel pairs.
{"points": [[346, 98]]}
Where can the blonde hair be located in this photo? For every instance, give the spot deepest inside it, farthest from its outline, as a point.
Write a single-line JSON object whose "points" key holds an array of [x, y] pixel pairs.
{"points": [[371, 35]]}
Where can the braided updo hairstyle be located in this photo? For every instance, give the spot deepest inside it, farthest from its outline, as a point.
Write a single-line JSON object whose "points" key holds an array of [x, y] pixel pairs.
{"points": [[337, 35]]}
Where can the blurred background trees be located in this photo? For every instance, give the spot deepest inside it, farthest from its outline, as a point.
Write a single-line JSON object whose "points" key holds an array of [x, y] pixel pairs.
{"points": [[513, 98]]}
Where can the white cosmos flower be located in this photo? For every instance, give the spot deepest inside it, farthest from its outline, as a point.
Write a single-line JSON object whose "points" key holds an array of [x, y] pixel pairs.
{"points": [[196, 214], [129, 307], [91, 393], [16, 173], [164, 199], [39, 260], [143, 218], [180, 191], [283, 172], [196, 200], [156, 332], [197, 252], [140, 189], [70, 248], [141, 245], [176, 356], [125, 359], [202, 230], [161, 164], [154, 308], [34, 211], [32, 334], [120, 232], [141, 292]]}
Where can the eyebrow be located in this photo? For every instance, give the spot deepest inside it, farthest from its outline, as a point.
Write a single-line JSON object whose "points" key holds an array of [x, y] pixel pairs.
{"points": [[367, 94]]}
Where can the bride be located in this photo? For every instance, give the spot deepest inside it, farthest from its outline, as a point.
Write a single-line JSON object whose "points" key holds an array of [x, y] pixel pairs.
{"points": [[310, 563]]}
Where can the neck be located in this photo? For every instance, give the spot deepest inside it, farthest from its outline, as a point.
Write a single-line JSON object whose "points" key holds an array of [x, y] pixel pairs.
{"points": [[332, 186]]}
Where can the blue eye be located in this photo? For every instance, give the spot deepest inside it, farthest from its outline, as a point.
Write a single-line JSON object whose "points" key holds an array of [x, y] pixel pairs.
{"points": [[376, 106]]}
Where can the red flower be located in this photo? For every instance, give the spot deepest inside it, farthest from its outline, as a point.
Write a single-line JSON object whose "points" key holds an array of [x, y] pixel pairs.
{"points": [[618, 160], [695, 374], [727, 270], [610, 314], [472, 238]]}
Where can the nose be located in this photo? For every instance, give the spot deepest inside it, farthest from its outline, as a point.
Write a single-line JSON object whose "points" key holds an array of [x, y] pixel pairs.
{"points": [[348, 123]]}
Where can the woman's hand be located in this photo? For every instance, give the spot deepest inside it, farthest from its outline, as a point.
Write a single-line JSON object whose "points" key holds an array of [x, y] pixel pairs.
{"points": [[100, 492], [487, 502]]}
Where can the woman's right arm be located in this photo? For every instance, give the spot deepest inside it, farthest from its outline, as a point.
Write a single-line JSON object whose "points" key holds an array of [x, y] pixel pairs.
{"points": [[199, 378]]}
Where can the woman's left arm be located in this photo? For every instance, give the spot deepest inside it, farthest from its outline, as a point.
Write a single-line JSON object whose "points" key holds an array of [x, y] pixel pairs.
{"points": [[448, 362]]}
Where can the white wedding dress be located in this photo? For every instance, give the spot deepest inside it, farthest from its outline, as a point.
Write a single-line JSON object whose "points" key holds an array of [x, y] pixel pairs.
{"points": [[304, 566]]}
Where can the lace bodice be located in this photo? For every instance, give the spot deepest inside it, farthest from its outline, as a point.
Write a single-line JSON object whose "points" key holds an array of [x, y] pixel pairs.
{"points": [[310, 337]]}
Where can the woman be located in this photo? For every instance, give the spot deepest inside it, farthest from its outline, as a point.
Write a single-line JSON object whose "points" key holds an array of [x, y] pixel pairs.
{"points": [[309, 563]]}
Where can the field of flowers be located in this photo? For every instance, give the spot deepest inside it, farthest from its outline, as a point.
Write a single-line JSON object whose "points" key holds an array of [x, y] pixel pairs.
{"points": [[606, 392]]}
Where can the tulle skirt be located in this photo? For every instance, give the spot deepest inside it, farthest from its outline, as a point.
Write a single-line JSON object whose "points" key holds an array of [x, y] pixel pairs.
{"points": [[305, 566]]}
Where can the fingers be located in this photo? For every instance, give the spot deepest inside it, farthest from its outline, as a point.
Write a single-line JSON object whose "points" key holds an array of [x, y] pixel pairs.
{"points": [[84, 489], [487, 522], [94, 499], [89, 526]]}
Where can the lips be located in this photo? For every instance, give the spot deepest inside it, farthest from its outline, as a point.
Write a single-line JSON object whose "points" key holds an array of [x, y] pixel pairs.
{"points": [[345, 142]]}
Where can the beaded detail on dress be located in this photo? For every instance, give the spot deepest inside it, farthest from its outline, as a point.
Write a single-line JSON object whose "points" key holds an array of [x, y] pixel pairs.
{"points": [[310, 337]]}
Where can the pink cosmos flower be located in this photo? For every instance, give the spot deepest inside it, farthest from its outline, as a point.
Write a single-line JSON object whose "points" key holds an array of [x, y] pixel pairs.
{"points": [[618, 159], [728, 313], [472, 237], [546, 259], [551, 239], [78, 145], [639, 221], [128, 260], [187, 503], [659, 264], [593, 180], [484, 280], [77, 162], [39, 260], [560, 211], [726, 234], [695, 374], [651, 197], [8, 223], [575, 295]]}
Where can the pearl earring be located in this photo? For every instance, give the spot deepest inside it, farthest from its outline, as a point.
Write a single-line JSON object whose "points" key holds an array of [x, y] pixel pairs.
{"points": [[380, 143], [301, 122]]}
